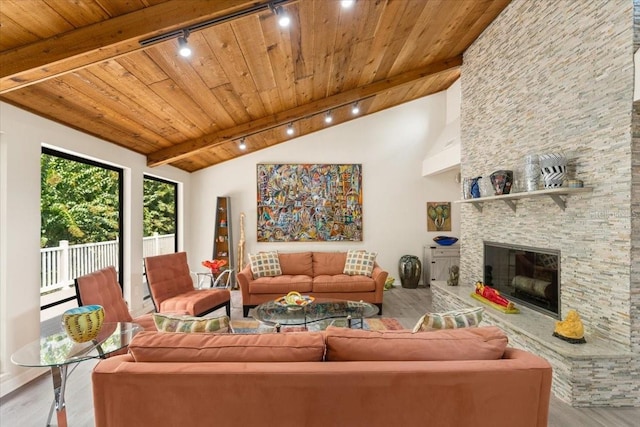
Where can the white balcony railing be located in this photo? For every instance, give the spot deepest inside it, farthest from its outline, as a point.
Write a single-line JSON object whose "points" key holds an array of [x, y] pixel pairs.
{"points": [[60, 265]]}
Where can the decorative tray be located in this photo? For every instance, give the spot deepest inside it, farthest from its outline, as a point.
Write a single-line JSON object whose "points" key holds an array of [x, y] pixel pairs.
{"points": [[294, 300]]}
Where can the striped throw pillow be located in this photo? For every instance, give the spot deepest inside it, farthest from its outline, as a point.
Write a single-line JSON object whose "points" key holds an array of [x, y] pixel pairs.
{"points": [[359, 263], [464, 318], [265, 264], [186, 324]]}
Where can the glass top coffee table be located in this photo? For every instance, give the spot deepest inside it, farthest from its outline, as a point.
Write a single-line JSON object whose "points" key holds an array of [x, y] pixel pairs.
{"points": [[322, 312], [58, 351]]}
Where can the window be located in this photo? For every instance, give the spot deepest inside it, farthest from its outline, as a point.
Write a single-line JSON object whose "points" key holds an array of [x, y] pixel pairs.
{"points": [[81, 222], [160, 218]]}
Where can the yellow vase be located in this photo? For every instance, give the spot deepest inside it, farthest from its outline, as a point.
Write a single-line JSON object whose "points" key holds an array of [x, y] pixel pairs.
{"points": [[83, 323]]}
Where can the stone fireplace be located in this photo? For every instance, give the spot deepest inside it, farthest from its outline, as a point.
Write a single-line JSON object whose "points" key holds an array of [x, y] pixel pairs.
{"points": [[559, 77]]}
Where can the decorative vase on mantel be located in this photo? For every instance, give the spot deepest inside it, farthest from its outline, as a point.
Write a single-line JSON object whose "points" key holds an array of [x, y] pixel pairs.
{"points": [[501, 181], [531, 172], [553, 167], [409, 269]]}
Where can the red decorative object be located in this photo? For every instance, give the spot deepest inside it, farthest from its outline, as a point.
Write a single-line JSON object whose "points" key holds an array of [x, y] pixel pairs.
{"points": [[492, 295], [215, 265]]}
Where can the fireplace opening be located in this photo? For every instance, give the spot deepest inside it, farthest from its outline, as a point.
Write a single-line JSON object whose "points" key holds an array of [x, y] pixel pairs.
{"points": [[525, 275]]}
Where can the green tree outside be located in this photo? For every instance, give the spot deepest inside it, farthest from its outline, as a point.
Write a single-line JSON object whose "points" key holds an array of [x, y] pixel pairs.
{"points": [[78, 202], [159, 207]]}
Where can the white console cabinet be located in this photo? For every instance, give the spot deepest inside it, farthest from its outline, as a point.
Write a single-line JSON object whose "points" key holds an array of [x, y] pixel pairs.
{"points": [[443, 257]]}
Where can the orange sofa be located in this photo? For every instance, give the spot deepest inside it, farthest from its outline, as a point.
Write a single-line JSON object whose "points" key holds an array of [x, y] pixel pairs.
{"points": [[312, 273], [339, 377]]}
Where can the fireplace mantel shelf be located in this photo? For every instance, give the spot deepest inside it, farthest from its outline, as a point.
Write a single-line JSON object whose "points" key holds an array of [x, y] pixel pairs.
{"points": [[510, 199]]}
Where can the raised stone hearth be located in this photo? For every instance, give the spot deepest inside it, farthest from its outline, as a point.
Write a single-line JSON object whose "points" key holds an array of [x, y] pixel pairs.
{"points": [[598, 373]]}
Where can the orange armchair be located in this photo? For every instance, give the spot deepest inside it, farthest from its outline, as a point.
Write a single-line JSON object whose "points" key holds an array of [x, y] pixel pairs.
{"points": [[171, 287], [102, 288]]}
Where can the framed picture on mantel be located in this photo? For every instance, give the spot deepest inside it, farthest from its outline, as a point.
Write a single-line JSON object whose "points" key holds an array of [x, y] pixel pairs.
{"points": [[438, 216]]}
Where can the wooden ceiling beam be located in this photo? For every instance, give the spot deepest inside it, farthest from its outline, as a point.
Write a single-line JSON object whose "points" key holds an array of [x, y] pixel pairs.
{"points": [[108, 39], [189, 148]]}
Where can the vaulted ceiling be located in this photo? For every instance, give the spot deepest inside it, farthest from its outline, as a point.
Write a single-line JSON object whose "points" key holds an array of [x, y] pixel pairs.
{"points": [[81, 63]]}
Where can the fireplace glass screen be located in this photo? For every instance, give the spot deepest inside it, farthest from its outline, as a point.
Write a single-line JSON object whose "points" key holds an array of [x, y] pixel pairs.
{"points": [[529, 276]]}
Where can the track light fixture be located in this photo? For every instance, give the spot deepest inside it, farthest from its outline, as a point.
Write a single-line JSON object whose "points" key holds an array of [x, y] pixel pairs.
{"points": [[346, 4], [328, 118], [254, 8], [291, 130], [283, 17], [184, 49]]}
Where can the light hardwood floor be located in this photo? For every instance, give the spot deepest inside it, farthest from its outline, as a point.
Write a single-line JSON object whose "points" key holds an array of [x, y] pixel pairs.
{"points": [[29, 405]]}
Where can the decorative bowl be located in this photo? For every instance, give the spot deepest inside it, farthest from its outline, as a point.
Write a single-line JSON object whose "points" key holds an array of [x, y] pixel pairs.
{"points": [[445, 240], [83, 324]]}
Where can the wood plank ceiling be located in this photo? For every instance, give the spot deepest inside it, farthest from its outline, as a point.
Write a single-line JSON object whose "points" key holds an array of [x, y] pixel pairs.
{"points": [[80, 63]]}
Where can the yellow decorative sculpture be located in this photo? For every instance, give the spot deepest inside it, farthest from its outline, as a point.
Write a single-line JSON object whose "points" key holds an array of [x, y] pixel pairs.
{"points": [[570, 329]]}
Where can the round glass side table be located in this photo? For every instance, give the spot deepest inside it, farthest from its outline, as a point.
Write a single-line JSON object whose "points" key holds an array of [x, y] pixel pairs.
{"points": [[58, 352]]}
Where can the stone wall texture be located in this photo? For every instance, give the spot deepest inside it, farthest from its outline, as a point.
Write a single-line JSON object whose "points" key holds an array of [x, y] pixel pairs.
{"points": [[557, 76], [553, 76]]}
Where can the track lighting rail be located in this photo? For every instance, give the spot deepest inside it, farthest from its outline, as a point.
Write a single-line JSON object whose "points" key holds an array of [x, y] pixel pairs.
{"points": [[215, 21]]}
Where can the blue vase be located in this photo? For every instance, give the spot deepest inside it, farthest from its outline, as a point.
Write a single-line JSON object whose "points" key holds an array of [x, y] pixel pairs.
{"points": [[475, 188]]}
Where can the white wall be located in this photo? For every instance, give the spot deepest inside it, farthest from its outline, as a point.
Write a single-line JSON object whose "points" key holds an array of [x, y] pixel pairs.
{"points": [[444, 154], [390, 145], [21, 138], [454, 101]]}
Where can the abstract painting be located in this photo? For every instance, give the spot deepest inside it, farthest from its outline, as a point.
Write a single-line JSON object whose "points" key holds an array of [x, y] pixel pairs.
{"points": [[309, 202]]}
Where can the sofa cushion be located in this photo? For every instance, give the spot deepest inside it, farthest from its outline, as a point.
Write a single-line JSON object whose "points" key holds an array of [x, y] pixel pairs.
{"points": [[463, 318], [167, 347], [359, 262], [296, 263], [328, 263], [195, 301], [485, 343], [280, 285], [177, 323], [265, 264], [343, 283]]}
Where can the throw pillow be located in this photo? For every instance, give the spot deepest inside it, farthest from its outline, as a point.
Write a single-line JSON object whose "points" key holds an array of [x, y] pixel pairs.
{"points": [[359, 263], [487, 343], [265, 264], [290, 347], [185, 324], [464, 318]]}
